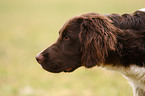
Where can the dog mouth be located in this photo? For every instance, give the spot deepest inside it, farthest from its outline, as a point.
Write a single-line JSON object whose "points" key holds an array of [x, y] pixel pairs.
{"points": [[56, 68], [69, 70]]}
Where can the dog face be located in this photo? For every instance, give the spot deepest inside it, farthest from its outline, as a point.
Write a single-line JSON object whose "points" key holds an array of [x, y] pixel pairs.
{"points": [[64, 54], [83, 41]]}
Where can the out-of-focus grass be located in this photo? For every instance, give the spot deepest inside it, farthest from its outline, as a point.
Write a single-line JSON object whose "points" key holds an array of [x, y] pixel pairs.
{"points": [[28, 26]]}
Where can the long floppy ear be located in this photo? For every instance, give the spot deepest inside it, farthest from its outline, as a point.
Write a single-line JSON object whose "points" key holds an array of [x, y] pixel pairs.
{"points": [[97, 38]]}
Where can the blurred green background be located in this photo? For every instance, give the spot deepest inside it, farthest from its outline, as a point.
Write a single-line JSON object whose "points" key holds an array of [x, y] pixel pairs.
{"points": [[28, 26]]}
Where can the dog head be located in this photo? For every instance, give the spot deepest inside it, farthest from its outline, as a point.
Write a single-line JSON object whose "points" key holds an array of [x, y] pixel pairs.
{"points": [[84, 40]]}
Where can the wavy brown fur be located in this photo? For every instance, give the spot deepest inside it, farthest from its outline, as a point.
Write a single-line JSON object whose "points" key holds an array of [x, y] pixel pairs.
{"points": [[135, 21], [97, 37], [102, 42]]}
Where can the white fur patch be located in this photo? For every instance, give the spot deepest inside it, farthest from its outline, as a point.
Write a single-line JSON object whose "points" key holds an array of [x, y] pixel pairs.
{"points": [[135, 74], [143, 9]]}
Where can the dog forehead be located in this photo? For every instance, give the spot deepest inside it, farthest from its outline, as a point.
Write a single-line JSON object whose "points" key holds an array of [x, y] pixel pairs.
{"points": [[69, 23], [75, 19]]}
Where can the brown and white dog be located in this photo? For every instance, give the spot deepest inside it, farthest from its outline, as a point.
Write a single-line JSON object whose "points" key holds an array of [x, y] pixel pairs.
{"points": [[115, 42]]}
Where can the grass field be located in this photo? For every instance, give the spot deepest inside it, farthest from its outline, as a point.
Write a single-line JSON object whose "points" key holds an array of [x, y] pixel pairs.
{"points": [[28, 26]]}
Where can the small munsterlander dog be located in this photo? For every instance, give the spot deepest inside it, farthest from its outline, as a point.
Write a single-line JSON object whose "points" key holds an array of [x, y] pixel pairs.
{"points": [[115, 42]]}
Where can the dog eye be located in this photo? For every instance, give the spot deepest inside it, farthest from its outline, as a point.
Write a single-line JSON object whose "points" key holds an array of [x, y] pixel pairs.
{"points": [[66, 38]]}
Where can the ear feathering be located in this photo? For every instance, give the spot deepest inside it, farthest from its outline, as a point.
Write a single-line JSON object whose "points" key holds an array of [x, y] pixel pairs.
{"points": [[97, 38]]}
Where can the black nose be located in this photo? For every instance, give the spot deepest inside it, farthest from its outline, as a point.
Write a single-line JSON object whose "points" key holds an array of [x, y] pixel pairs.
{"points": [[39, 58]]}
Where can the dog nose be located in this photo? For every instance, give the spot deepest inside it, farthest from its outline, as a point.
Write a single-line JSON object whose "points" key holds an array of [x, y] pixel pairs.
{"points": [[39, 58]]}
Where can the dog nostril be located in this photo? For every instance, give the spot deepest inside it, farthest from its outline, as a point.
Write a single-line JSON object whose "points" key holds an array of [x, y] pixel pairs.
{"points": [[39, 58]]}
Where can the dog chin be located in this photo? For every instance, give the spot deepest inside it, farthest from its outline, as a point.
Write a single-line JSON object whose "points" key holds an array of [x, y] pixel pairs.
{"points": [[70, 70], [59, 71], [54, 71], [50, 70]]}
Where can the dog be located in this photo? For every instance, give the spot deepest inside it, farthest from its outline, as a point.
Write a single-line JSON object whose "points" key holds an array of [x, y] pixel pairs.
{"points": [[115, 42]]}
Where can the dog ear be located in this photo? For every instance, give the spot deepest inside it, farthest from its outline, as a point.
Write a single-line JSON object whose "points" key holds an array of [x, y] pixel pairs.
{"points": [[97, 37]]}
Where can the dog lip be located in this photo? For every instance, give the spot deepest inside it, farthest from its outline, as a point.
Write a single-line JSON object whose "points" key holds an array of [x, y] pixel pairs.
{"points": [[69, 69]]}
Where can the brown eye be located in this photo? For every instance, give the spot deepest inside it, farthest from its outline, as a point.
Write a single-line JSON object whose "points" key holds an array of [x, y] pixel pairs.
{"points": [[66, 38]]}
